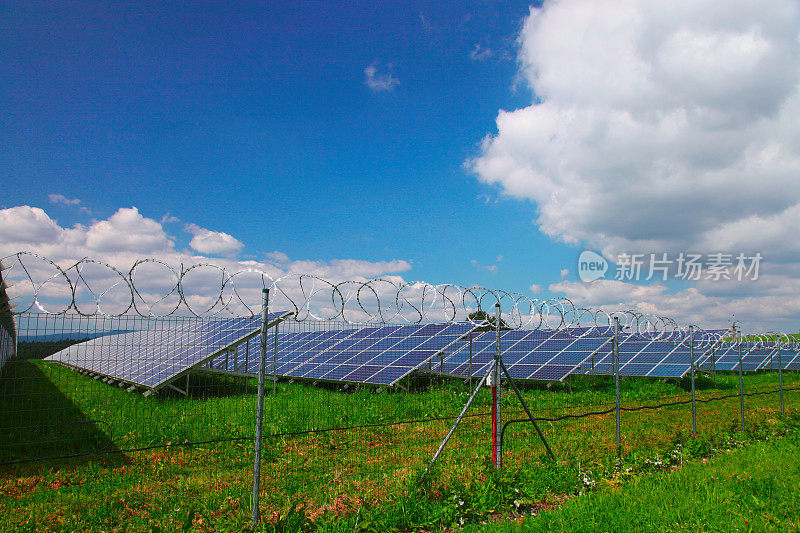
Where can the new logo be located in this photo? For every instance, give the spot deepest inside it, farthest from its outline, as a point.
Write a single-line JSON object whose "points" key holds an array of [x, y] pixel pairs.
{"points": [[591, 266]]}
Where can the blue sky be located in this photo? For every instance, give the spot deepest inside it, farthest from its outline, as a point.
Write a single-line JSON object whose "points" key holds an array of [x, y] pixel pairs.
{"points": [[482, 143], [259, 123]]}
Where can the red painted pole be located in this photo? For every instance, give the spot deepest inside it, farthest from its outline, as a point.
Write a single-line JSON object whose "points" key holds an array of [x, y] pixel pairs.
{"points": [[494, 424], [497, 449]]}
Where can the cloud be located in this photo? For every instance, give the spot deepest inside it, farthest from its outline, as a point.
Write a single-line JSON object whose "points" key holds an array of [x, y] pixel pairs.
{"points": [[379, 82], [277, 257], [564, 272], [659, 126], [127, 231], [480, 53], [345, 269], [760, 312], [212, 242], [61, 199], [71, 202], [25, 226], [535, 288], [127, 236], [488, 268], [169, 219], [647, 109]]}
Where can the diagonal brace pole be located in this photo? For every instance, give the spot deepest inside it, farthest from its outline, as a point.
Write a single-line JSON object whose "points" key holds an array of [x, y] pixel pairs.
{"points": [[459, 418], [528, 411]]}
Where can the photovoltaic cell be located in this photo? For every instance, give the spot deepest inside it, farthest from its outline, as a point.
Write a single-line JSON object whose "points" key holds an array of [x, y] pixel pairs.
{"points": [[155, 357]]}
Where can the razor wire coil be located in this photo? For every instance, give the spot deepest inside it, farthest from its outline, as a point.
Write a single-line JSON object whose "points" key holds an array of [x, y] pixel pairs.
{"points": [[312, 297]]}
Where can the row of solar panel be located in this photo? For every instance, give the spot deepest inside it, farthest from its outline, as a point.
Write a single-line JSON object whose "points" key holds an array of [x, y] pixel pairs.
{"points": [[460, 350], [386, 354]]}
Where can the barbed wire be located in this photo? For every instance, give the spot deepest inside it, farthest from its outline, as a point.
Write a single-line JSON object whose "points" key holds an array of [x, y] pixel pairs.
{"points": [[311, 297]]}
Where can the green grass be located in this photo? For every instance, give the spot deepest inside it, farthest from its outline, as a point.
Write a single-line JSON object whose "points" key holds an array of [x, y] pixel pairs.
{"points": [[360, 479], [753, 488]]}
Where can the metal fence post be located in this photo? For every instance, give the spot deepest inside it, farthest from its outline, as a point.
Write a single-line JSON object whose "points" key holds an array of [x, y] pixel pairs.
{"points": [[497, 452], [262, 368], [714, 364], [615, 348], [780, 379], [694, 404], [275, 362], [470, 359], [741, 381]]}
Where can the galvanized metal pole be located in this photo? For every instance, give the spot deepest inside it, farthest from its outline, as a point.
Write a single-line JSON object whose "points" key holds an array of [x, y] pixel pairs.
{"points": [[497, 452], [780, 379], [694, 404], [470, 359], [741, 381], [714, 364], [615, 347], [275, 362], [262, 368]]}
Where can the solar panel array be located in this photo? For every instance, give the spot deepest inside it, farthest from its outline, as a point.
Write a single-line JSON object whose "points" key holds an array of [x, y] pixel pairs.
{"points": [[384, 355], [537, 355], [787, 357], [726, 357], [155, 357], [380, 355]]}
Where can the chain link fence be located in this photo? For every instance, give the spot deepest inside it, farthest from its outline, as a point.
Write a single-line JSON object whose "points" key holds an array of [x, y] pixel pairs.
{"points": [[143, 423]]}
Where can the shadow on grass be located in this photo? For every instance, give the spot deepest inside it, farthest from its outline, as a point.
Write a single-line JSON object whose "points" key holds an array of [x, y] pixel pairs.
{"points": [[38, 421]]}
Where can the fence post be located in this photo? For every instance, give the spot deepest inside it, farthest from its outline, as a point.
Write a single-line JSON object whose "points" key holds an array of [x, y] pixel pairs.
{"points": [[780, 379], [615, 358], [262, 368], [738, 334], [694, 405], [470, 359], [275, 362], [714, 364], [497, 452]]}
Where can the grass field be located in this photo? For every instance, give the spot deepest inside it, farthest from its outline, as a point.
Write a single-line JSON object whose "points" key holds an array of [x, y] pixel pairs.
{"points": [[754, 488], [361, 478]]}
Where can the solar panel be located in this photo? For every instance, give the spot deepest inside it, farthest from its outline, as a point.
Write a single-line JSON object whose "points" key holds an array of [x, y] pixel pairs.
{"points": [[545, 355], [155, 357], [726, 357], [790, 358], [555, 358], [381, 356], [376, 355], [640, 356]]}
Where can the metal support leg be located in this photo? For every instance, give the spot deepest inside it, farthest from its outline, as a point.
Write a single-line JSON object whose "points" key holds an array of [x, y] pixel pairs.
{"points": [[459, 418], [527, 411]]}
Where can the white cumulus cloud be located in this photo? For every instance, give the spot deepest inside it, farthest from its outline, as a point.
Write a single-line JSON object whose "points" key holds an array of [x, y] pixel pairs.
{"points": [[128, 236], [657, 124], [210, 242], [660, 126]]}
